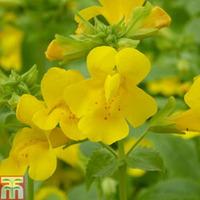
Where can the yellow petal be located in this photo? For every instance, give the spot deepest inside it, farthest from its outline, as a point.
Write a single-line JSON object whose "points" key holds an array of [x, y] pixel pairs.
{"points": [[12, 167], [133, 65], [111, 10], [48, 192], [70, 155], [189, 135], [192, 98], [42, 163], [188, 121], [83, 96], [105, 128], [48, 120], [69, 125], [87, 14], [101, 61], [114, 11], [137, 106], [55, 81], [54, 51], [158, 18], [128, 6], [27, 106], [111, 85], [57, 138]]}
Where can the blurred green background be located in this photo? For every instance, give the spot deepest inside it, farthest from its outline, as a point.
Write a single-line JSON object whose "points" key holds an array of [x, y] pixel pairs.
{"points": [[26, 29]]}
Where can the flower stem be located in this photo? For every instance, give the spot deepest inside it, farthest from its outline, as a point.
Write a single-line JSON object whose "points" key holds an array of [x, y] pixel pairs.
{"points": [[30, 191], [122, 172], [109, 149], [138, 141]]}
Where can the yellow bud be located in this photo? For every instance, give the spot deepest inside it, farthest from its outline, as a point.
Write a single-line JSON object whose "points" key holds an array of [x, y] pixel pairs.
{"points": [[54, 51]]}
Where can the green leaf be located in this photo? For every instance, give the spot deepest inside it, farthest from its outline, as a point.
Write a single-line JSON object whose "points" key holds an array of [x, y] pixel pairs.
{"points": [[179, 156], [161, 123], [146, 159], [139, 14], [101, 164], [175, 189], [164, 112]]}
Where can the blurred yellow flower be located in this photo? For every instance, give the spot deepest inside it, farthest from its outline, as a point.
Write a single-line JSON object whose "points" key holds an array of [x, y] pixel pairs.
{"points": [[10, 48], [168, 86], [190, 119], [50, 192], [116, 10], [111, 96], [47, 114]]}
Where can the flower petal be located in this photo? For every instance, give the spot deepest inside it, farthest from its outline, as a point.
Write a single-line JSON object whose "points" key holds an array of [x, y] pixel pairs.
{"points": [[137, 106], [48, 121], [27, 106], [192, 98], [12, 167], [69, 125], [101, 61], [158, 18], [111, 10], [42, 163], [87, 14], [107, 129], [83, 96], [57, 138], [55, 81], [133, 65], [188, 121], [54, 51], [70, 155], [129, 5], [111, 85]]}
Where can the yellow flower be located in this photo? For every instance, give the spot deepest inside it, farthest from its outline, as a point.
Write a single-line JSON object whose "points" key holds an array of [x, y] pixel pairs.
{"points": [[116, 10], [190, 119], [30, 149], [33, 148], [50, 192], [10, 48], [168, 86], [53, 111], [111, 97]]}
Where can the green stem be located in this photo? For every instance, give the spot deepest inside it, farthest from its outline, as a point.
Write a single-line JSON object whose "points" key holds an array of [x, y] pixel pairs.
{"points": [[122, 172], [138, 141], [109, 149], [30, 192]]}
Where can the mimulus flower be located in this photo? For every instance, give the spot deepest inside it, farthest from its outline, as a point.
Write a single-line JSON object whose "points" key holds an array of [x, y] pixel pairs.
{"points": [[53, 111], [190, 119], [111, 98], [31, 149], [10, 48], [116, 10], [168, 86]]}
